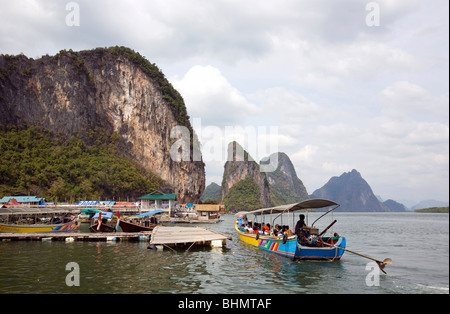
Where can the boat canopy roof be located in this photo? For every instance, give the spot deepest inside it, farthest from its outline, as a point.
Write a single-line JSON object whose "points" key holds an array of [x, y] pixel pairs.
{"points": [[307, 204], [90, 210], [104, 214], [150, 213]]}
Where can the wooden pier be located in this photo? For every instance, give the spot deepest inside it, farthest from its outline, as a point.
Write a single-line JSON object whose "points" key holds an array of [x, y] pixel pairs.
{"points": [[76, 236], [182, 236], [39, 211], [170, 237]]}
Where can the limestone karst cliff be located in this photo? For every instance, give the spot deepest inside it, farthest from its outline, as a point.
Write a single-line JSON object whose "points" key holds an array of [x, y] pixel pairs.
{"points": [[73, 93], [245, 186], [351, 191], [285, 186]]}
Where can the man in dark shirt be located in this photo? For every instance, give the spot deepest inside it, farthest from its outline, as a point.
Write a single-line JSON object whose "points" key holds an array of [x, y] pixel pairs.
{"points": [[300, 224]]}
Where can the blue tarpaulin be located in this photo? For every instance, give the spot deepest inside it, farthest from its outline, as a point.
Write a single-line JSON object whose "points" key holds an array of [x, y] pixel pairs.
{"points": [[88, 203], [104, 215], [153, 212]]}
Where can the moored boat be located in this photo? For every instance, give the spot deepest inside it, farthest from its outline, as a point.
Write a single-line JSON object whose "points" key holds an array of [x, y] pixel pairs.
{"points": [[131, 227], [102, 228], [147, 222], [70, 226], [309, 245], [86, 215], [100, 224]]}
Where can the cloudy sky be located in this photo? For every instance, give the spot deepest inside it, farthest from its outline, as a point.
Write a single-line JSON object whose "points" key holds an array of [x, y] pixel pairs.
{"points": [[336, 84]]}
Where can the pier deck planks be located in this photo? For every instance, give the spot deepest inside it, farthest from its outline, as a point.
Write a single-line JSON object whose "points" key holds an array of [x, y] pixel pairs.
{"points": [[77, 236], [159, 236], [182, 235]]}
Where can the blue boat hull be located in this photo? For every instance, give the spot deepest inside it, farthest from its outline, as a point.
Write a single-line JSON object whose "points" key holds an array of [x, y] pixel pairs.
{"points": [[293, 249], [325, 252]]}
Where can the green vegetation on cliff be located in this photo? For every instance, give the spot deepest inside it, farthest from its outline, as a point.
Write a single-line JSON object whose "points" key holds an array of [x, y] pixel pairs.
{"points": [[111, 93], [211, 193], [38, 162], [433, 210], [244, 195]]}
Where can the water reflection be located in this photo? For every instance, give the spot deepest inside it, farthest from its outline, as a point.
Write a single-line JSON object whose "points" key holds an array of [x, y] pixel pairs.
{"points": [[129, 267]]}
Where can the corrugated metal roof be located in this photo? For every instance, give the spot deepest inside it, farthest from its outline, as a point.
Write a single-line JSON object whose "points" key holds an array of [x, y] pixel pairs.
{"points": [[158, 196], [22, 199]]}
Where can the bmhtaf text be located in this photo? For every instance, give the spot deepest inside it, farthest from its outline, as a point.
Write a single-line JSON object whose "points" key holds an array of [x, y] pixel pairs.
{"points": [[232, 303]]}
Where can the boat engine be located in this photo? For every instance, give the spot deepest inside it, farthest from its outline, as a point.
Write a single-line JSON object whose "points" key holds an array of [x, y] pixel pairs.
{"points": [[312, 240]]}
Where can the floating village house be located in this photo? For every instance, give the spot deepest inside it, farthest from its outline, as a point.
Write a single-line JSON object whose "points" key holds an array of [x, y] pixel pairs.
{"points": [[22, 200], [207, 212], [155, 200]]}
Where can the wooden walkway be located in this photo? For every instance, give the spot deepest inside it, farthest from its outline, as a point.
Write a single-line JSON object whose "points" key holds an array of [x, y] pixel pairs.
{"points": [[160, 236], [173, 236], [76, 236]]}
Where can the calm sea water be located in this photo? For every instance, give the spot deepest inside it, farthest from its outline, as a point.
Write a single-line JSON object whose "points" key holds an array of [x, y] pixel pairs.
{"points": [[417, 243]]}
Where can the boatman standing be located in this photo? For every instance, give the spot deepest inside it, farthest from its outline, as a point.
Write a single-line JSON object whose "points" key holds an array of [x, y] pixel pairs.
{"points": [[300, 224], [302, 230]]}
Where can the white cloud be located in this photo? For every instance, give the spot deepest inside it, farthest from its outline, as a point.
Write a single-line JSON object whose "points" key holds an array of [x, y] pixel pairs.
{"points": [[305, 155], [289, 107], [326, 66], [343, 95], [208, 94], [406, 98]]}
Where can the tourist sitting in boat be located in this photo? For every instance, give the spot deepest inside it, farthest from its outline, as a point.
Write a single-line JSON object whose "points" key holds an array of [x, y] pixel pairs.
{"points": [[287, 231], [240, 221], [249, 227], [260, 229], [266, 229], [274, 230], [277, 230]]}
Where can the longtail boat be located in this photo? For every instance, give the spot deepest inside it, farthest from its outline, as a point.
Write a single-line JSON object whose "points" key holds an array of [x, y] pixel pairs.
{"points": [[145, 226], [102, 228], [100, 225], [87, 214], [131, 227], [70, 226], [308, 245]]}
